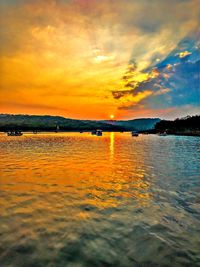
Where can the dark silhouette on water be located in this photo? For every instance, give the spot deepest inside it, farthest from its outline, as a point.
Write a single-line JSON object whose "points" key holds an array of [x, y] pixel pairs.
{"points": [[14, 133]]}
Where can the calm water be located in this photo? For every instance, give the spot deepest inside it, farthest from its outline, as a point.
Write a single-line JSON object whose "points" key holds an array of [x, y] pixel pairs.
{"points": [[72, 199]]}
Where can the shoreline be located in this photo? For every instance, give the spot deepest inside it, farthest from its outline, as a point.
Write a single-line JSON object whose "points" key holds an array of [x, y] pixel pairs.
{"points": [[150, 132]]}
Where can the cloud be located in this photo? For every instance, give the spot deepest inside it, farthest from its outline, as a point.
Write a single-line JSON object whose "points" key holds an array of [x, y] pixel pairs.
{"points": [[132, 100], [183, 54], [173, 82], [72, 48], [34, 107]]}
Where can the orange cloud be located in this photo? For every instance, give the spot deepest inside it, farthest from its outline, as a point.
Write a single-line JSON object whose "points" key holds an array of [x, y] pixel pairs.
{"points": [[67, 56], [131, 100]]}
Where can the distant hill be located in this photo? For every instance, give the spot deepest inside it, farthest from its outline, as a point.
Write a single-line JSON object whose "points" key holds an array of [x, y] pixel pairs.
{"points": [[189, 125], [136, 124], [49, 123]]}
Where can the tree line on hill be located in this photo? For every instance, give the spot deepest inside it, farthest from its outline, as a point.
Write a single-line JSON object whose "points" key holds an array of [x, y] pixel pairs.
{"points": [[10, 122], [188, 125]]}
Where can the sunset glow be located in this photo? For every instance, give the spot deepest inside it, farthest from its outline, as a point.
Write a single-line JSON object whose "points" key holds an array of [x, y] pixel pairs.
{"points": [[86, 59], [99, 133], [112, 117]]}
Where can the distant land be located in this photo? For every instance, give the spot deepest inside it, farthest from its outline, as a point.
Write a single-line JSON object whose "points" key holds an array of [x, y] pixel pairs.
{"points": [[189, 125], [49, 123]]}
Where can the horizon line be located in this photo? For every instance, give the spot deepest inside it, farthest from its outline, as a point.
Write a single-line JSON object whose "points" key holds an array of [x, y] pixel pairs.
{"points": [[138, 118]]}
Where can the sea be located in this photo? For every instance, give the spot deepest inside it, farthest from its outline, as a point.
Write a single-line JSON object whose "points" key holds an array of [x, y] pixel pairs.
{"points": [[75, 199]]}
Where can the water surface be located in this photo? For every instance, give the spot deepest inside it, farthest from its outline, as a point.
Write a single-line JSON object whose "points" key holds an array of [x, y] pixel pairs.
{"points": [[71, 199]]}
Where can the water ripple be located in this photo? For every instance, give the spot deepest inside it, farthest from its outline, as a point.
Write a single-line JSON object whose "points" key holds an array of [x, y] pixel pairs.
{"points": [[80, 200]]}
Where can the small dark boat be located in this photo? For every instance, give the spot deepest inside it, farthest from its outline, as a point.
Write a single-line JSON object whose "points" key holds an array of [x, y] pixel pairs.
{"points": [[99, 132], [14, 133], [134, 133], [57, 128]]}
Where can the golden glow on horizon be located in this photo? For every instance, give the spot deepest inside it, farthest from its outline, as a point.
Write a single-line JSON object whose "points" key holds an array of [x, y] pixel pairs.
{"points": [[67, 57], [112, 117]]}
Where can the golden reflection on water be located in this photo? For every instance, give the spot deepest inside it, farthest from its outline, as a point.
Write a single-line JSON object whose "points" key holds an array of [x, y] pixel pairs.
{"points": [[112, 143], [103, 171], [71, 199]]}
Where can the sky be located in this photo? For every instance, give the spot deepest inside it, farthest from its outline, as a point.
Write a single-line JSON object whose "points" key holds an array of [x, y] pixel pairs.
{"points": [[90, 59]]}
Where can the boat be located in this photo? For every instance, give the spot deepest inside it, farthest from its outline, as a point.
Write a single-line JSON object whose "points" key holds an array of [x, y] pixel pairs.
{"points": [[57, 128], [163, 134], [99, 132], [134, 133], [14, 133]]}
